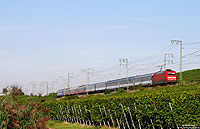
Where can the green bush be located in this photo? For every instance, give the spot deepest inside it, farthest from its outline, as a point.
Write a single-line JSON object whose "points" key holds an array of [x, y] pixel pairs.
{"points": [[120, 90], [140, 88], [107, 91], [14, 114], [53, 95], [69, 97]]}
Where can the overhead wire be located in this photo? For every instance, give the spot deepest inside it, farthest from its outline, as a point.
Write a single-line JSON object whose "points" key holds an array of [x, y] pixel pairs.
{"points": [[195, 62], [146, 58], [108, 69], [194, 43], [114, 69], [156, 54], [190, 54]]}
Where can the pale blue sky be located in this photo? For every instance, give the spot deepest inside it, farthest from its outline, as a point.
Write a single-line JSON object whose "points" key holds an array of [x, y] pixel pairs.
{"points": [[40, 40]]}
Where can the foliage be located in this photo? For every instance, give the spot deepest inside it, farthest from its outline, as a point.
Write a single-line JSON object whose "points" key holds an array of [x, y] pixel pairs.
{"points": [[69, 97], [140, 88], [13, 90], [14, 114], [150, 107], [39, 99], [52, 95], [190, 76], [107, 91], [120, 90], [5, 90]]}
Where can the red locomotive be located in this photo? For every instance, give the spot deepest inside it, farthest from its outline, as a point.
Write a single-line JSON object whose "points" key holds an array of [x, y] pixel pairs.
{"points": [[164, 77]]}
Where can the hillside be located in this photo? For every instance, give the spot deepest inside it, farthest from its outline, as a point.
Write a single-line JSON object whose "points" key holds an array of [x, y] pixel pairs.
{"points": [[190, 76]]}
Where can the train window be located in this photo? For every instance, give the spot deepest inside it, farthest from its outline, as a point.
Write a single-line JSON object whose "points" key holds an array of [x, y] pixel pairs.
{"points": [[114, 83], [171, 73], [130, 81], [137, 80], [123, 82]]}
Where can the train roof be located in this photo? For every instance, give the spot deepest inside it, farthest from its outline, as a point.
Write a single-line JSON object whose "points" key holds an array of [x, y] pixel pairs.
{"points": [[144, 75], [159, 72], [132, 77], [73, 88], [81, 86], [169, 70], [91, 84], [116, 80]]}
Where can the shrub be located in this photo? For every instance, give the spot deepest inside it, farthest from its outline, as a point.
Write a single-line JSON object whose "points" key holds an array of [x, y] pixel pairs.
{"points": [[17, 115], [107, 91], [5, 90], [13, 90], [140, 88], [53, 95], [120, 90], [69, 97]]}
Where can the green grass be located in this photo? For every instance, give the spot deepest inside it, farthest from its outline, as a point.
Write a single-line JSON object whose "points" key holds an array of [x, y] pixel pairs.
{"points": [[63, 125], [38, 99], [190, 76]]}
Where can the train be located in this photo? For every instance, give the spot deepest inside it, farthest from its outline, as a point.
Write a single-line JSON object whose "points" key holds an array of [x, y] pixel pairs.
{"points": [[165, 77]]}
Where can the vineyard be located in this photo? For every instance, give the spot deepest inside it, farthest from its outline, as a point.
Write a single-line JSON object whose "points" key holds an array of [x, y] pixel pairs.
{"points": [[159, 108]]}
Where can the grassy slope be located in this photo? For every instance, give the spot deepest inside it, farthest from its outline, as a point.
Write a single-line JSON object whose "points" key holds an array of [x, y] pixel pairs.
{"points": [[38, 99], [64, 125], [191, 76]]}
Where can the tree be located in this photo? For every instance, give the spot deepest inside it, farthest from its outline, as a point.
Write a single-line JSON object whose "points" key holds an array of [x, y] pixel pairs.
{"points": [[5, 90], [13, 90]]}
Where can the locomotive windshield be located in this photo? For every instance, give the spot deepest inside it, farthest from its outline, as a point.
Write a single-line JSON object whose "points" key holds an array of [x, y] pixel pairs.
{"points": [[171, 73]]}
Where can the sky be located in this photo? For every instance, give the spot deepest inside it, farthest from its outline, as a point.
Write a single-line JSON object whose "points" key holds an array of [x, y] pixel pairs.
{"points": [[41, 40]]}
